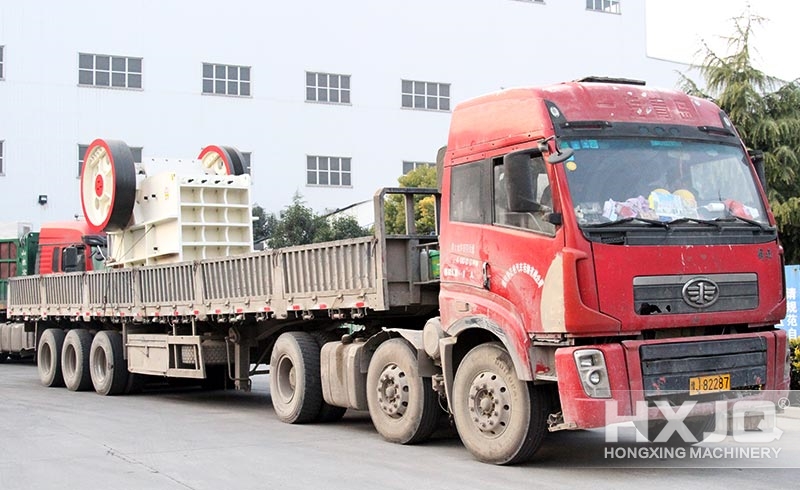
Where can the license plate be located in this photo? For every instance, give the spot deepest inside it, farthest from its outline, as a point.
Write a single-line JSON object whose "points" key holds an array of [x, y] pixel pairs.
{"points": [[709, 384]]}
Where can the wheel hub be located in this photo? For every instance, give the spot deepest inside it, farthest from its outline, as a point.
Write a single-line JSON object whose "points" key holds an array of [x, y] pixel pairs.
{"points": [[393, 391], [489, 403], [286, 375]]}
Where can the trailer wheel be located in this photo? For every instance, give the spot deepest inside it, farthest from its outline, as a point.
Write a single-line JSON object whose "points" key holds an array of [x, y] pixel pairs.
{"points": [[222, 160], [108, 185], [500, 418], [698, 427], [402, 405], [75, 360], [328, 413], [294, 378], [48, 357], [108, 367]]}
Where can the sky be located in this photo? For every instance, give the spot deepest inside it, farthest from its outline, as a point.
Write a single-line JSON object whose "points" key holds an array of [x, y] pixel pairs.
{"points": [[676, 29]]}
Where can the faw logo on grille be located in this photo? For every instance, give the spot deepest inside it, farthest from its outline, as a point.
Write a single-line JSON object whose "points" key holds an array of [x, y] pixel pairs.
{"points": [[700, 292]]}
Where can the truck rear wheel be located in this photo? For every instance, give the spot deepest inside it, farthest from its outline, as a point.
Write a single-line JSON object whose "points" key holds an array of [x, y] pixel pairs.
{"points": [[107, 365], [402, 405], [500, 418], [294, 378], [75, 360], [48, 357]]}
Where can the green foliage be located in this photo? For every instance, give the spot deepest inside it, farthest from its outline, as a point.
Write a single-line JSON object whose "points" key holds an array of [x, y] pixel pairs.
{"points": [[794, 351], [766, 112], [298, 224], [424, 207]]}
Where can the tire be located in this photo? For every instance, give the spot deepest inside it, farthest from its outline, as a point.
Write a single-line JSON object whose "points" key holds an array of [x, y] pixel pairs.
{"points": [[500, 418], [698, 426], [294, 379], [75, 360], [108, 185], [107, 365], [402, 405], [48, 357], [328, 413]]}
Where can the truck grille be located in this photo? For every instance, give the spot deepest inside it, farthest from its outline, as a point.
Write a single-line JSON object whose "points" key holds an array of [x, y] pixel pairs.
{"points": [[694, 293], [666, 368]]}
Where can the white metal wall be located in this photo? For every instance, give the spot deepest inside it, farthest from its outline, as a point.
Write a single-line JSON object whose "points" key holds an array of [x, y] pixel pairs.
{"points": [[475, 45]]}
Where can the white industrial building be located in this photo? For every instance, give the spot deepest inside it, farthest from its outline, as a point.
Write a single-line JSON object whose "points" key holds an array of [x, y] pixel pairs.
{"points": [[328, 99]]}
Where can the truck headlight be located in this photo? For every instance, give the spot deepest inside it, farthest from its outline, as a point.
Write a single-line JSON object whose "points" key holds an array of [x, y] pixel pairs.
{"points": [[593, 373]]}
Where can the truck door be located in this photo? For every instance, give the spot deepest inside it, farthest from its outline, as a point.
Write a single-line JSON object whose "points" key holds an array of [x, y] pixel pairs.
{"points": [[522, 242]]}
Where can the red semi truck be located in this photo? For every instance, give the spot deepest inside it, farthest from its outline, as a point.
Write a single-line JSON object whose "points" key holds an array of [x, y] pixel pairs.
{"points": [[599, 241], [58, 247]]}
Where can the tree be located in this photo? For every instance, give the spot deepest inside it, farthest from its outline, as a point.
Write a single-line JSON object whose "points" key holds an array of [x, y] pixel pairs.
{"points": [[424, 207], [298, 224], [766, 112]]}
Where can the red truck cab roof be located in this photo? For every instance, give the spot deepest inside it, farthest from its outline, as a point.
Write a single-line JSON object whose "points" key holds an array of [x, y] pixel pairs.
{"points": [[524, 116]]}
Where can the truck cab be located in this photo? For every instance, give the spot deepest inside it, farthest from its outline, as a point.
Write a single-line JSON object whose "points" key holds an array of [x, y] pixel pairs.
{"points": [[70, 246], [616, 240]]}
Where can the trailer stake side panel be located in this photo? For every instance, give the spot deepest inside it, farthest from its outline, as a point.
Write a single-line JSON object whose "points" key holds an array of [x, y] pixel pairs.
{"points": [[337, 278], [332, 275]]}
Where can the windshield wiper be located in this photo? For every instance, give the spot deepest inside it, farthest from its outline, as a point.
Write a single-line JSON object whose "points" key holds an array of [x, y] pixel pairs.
{"points": [[696, 220], [653, 222], [746, 220]]}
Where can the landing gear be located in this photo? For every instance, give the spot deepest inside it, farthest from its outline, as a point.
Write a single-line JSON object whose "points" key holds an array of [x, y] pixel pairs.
{"points": [[402, 405], [500, 418]]}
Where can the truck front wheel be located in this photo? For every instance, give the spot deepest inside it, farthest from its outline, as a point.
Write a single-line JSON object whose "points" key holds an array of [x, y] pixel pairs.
{"points": [[75, 360], [402, 405], [294, 378], [108, 368], [500, 418], [48, 357]]}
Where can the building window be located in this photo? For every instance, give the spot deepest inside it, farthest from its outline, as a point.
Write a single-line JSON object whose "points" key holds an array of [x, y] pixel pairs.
{"points": [[2, 71], [327, 87], [610, 6], [136, 150], [226, 79], [409, 166], [100, 70], [2, 162], [328, 171], [426, 95]]}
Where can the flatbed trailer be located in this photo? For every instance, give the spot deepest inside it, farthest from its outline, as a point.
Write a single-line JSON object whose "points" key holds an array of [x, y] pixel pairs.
{"points": [[225, 309]]}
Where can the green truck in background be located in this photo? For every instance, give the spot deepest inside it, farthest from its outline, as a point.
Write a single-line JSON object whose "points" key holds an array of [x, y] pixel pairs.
{"points": [[18, 250]]}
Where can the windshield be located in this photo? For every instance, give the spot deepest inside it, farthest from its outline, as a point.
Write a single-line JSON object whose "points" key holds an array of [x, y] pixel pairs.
{"points": [[637, 180]]}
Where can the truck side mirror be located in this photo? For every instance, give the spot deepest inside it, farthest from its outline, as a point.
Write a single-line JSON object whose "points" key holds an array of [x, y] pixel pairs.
{"points": [[520, 181], [757, 156]]}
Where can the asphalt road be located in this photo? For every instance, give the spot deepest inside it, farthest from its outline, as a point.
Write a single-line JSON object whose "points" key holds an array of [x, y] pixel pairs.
{"points": [[190, 439]]}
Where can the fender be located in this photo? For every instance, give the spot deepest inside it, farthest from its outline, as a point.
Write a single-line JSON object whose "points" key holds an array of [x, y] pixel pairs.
{"points": [[518, 348], [425, 365]]}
